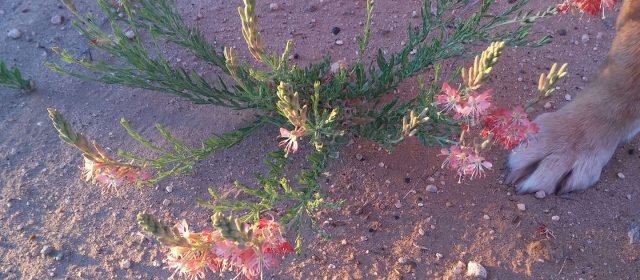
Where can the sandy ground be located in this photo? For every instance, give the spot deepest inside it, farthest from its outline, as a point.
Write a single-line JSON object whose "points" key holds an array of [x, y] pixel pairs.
{"points": [[43, 202]]}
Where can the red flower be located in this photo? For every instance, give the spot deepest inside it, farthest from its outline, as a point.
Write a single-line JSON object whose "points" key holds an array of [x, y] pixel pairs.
{"points": [[592, 7], [510, 128]]}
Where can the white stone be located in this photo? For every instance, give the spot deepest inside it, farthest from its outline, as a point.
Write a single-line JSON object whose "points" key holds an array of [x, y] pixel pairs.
{"points": [[567, 97], [522, 207], [274, 7], [125, 264], [14, 34], [339, 42], [166, 202], [130, 34], [432, 188], [555, 218], [540, 194], [57, 19], [486, 217], [621, 175], [476, 270]]}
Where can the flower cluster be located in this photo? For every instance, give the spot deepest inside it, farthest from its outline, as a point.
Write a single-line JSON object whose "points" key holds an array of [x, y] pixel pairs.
{"points": [[592, 7], [192, 253], [102, 170], [99, 168]]}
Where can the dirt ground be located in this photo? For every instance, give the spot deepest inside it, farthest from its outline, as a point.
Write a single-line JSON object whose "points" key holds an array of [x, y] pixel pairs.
{"points": [[43, 201]]}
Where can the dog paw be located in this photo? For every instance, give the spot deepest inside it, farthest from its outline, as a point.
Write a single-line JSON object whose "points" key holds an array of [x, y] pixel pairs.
{"points": [[566, 155]]}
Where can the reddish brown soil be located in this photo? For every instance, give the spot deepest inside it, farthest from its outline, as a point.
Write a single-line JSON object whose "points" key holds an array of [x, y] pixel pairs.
{"points": [[44, 202]]}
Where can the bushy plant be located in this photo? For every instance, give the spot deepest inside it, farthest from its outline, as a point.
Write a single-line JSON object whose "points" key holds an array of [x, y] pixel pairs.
{"points": [[309, 103]]}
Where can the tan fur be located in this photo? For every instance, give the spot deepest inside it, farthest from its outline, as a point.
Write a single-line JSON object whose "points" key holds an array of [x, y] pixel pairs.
{"points": [[575, 143]]}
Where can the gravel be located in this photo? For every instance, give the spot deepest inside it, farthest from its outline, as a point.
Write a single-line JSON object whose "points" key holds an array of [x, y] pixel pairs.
{"points": [[14, 33]]}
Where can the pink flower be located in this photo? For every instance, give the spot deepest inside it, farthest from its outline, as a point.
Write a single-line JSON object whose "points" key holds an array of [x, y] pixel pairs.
{"points": [[449, 99], [475, 106], [475, 165], [291, 139]]}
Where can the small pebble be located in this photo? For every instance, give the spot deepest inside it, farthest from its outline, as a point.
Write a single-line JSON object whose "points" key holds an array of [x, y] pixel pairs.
{"points": [[414, 14], [432, 188], [169, 188], [420, 204], [398, 204], [335, 30], [448, 204], [421, 231], [274, 7], [475, 269], [46, 251], [125, 264], [130, 34], [339, 42], [567, 97], [522, 207], [634, 233], [547, 105], [486, 217], [14, 34], [156, 263], [621, 175], [584, 38], [555, 218], [343, 242], [59, 256], [381, 164], [439, 256], [540, 194], [520, 79], [332, 266], [57, 19], [166, 202], [402, 260], [359, 157]]}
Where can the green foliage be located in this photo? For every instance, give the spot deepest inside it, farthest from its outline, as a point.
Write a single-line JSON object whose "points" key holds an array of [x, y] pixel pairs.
{"points": [[305, 102], [13, 78], [274, 191]]}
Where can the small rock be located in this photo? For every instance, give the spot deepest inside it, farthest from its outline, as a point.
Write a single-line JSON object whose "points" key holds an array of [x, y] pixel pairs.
{"points": [[634, 233], [46, 251], [584, 78], [432, 188], [381, 164], [584, 38], [156, 263], [522, 207], [414, 14], [458, 268], [274, 7], [125, 264], [335, 30], [567, 97], [439, 256], [359, 157], [166, 202], [486, 217], [14, 34], [332, 266], [448, 204], [343, 242], [520, 79], [562, 32], [621, 175], [398, 204], [130, 34], [169, 188], [420, 204], [540, 194], [547, 105], [555, 218], [475, 269], [339, 42], [421, 231], [57, 19], [402, 260], [59, 256]]}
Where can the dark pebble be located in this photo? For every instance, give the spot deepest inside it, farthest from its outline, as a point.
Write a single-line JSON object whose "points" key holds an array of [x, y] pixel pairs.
{"points": [[335, 30]]}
